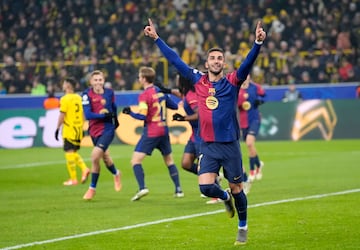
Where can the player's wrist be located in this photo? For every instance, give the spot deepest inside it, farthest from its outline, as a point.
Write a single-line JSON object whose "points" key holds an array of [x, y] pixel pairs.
{"points": [[259, 42]]}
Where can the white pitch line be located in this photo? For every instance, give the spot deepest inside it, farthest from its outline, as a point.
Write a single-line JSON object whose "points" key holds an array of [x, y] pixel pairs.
{"points": [[319, 196], [45, 163]]}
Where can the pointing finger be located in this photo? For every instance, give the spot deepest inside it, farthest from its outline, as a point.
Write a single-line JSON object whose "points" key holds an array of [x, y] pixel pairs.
{"points": [[258, 25]]}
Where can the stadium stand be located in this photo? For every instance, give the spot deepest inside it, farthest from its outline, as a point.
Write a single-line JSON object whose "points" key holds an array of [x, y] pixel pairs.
{"points": [[45, 41]]}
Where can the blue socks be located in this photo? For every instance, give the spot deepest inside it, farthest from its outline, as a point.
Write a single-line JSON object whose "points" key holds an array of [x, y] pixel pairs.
{"points": [[252, 163], [139, 175], [112, 169], [174, 174], [94, 180], [241, 207]]}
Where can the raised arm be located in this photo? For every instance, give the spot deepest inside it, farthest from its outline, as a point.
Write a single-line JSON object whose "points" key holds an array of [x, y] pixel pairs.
{"points": [[169, 53], [246, 66]]}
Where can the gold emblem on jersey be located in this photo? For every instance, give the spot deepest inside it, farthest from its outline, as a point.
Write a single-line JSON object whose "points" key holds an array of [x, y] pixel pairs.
{"points": [[246, 105], [212, 102]]}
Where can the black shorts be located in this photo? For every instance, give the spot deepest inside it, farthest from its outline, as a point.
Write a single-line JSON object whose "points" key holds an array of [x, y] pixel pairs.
{"points": [[70, 146]]}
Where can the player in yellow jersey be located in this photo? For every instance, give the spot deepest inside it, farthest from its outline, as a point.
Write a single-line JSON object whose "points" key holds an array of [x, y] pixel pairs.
{"points": [[71, 119]]}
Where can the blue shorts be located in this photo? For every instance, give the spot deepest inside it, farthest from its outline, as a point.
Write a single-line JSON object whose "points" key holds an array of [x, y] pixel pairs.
{"points": [[148, 144], [103, 141], [215, 155], [253, 129], [192, 148]]}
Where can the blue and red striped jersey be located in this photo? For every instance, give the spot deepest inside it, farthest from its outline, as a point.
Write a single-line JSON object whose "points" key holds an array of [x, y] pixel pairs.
{"points": [[156, 103], [248, 103], [95, 106]]}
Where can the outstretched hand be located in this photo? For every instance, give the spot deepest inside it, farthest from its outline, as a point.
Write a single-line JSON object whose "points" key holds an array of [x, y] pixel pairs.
{"points": [[163, 88], [150, 30], [260, 33]]}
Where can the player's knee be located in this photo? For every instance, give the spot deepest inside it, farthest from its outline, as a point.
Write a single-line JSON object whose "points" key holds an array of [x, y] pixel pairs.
{"points": [[207, 189], [134, 162]]}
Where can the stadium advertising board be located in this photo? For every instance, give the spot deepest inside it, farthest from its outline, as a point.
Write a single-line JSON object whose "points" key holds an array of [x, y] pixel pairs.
{"points": [[310, 119]]}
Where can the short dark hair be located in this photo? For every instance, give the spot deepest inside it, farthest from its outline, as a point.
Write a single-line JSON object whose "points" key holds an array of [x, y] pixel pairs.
{"points": [[214, 49], [185, 85], [72, 81]]}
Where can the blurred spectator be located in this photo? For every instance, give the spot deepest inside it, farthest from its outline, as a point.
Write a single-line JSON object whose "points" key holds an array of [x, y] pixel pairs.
{"points": [[302, 65], [8, 82], [292, 94], [343, 39], [194, 38], [38, 88], [119, 82], [29, 50], [346, 70], [268, 18], [190, 55], [305, 78], [108, 85], [2, 89], [23, 85]]}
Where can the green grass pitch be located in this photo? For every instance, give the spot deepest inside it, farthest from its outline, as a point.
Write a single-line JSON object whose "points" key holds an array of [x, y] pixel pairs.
{"points": [[309, 198]]}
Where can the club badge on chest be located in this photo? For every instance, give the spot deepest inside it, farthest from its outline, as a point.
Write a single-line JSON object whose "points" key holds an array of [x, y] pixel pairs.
{"points": [[211, 101]]}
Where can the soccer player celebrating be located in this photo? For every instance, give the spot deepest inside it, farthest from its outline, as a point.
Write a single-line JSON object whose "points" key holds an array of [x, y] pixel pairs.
{"points": [[71, 119], [152, 110], [100, 109], [217, 95], [251, 95]]}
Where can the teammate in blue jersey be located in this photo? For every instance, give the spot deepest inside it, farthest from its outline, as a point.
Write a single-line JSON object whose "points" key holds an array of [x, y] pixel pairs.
{"points": [[100, 109], [217, 95], [152, 110], [189, 162], [251, 95], [190, 104]]}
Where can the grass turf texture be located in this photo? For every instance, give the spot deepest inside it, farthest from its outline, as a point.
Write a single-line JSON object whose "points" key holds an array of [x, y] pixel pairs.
{"points": [[35, 207]]}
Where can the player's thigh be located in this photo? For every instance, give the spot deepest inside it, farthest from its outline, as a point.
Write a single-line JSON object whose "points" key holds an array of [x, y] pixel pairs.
{"points": [[233, 169]]}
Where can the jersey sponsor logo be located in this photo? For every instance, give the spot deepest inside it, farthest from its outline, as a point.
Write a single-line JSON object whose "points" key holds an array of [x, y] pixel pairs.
{"points": [[246, 105], [212, 102], [85, 100]]}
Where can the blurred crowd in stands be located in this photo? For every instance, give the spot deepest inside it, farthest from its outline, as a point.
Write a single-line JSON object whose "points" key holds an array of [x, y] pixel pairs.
{"points": [[43, 41]]}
